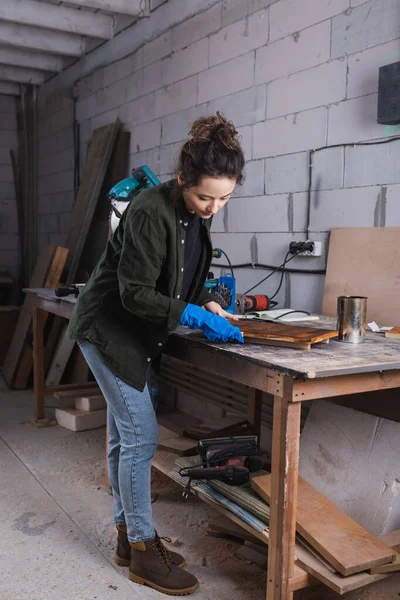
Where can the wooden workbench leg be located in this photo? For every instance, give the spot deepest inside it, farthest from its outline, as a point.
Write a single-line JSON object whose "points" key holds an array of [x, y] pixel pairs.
{"points": [[254, 404], [38, 361], [284, 476]]}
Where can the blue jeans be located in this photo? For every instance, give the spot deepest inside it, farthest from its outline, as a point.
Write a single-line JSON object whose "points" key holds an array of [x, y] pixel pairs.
{"points": [[132, 442]]}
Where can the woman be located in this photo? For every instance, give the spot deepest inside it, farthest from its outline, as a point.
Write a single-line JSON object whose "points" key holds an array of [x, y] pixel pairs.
{"points": [[149, 280]]}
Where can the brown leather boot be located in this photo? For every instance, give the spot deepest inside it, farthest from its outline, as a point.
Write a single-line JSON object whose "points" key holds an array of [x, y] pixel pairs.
{"points": [[151, 565], [123, 552]]}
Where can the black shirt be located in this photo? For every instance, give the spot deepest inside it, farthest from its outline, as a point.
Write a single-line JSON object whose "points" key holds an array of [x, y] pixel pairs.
{"points": [[193, 248]]}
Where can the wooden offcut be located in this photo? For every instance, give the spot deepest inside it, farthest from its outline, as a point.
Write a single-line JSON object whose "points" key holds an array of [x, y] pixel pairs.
{"points": [[295, 336], [393, 333], [364, 261], [339, 539], [47, 273]]}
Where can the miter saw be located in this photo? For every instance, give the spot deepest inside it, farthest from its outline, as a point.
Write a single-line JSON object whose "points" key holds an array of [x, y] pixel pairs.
{"points": [[123, 192]]}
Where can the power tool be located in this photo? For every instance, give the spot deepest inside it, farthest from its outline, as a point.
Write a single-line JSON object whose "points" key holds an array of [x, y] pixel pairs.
{"points": [[259, 302], [123, 192], [228, 459]]}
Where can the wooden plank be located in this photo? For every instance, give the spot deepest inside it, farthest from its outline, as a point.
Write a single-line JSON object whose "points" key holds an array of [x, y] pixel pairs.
{"points": [[282, 535], [178, 445], [261, 330], [98, 157], [38, 278], [363, 261], [337, 582], [389, 568], [342, 385], [52, 280], [8, 322], [68, 394], [344, 543], [280, 343]]}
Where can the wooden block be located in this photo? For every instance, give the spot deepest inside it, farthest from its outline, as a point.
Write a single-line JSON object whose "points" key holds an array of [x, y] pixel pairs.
{"points": [[341, 541], [79, 420], [90, 403], [394, 333]]}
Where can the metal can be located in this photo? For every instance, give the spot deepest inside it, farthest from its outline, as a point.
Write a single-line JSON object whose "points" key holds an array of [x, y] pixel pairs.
{"points": [[352, 318]]}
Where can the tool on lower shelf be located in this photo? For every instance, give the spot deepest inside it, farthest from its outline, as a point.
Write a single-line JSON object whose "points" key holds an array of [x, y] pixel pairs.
{"points": [[229, 459]]}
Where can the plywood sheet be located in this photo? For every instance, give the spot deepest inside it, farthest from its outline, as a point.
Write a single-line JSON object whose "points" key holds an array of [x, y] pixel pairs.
{"points": [[365, 261], [259, 330], [339, 539]]}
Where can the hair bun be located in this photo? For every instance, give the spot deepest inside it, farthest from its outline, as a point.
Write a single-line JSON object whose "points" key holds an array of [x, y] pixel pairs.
{"points": [[215, 128]]}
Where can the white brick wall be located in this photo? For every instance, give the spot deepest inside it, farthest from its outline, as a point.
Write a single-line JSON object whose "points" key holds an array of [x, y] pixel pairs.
{"points": [[293, 53], [241, 37], [292, 76]]}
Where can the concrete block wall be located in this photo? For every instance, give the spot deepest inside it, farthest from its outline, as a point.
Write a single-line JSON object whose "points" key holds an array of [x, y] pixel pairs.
{"points": [[292, 78], [55, 166], [9, 251]]}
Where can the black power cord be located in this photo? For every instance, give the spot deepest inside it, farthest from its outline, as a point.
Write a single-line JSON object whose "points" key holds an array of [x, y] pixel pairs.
{"points": [[281, 267], [229, 262], [265, 267]]}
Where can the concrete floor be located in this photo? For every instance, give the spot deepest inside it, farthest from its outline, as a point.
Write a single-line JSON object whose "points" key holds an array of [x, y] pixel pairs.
{"points": [[57, 536]]}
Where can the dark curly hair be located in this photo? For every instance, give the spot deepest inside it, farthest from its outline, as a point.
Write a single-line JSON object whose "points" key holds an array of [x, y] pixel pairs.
{"points": [[213, 149]]}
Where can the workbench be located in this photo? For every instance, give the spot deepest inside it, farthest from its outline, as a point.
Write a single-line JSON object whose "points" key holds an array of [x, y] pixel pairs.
{"points": [[291, 377]]}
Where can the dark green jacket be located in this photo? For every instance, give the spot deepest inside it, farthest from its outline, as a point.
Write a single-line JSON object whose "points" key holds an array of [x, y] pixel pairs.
{"points": [[133, 299]]}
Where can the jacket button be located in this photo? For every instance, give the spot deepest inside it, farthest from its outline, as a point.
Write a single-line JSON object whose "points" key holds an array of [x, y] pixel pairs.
{"points": [[149, 360], [178, 296], [180, 222], [159, 343], [186, 224], [183, 241], [182, 270]]}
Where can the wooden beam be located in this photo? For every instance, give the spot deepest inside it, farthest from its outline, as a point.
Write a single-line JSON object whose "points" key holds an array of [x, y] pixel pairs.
{"points": [[284, 476], [343, 385], [31, 60], [9, 88], [135, 8], [57, 18], [55, 42], [21, 75]]}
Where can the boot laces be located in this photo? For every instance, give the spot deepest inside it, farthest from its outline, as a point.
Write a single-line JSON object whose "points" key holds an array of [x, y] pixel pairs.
{"points": [[162, 552]]}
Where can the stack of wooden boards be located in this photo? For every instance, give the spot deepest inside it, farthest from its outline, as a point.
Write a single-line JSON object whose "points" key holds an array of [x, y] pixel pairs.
{"points": [[281, 334], [393, 333], [82, 409], [351, 556], [106, 164]]}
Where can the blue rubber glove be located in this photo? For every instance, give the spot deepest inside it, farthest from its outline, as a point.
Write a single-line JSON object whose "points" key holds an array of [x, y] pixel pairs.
{"points": [[216, 328]]}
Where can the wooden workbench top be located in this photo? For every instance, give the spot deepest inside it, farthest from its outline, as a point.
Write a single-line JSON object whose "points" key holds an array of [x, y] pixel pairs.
{"points": [[376, 353]]}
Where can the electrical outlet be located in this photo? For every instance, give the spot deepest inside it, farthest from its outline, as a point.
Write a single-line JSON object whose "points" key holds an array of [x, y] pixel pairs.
{"points": [[311, 248]]}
